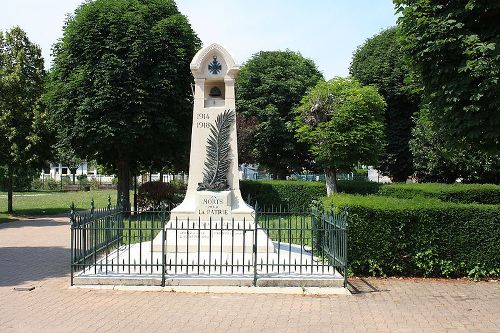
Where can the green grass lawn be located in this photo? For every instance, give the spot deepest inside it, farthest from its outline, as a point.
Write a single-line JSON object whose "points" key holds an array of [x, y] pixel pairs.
{"points": [[50, 203]]}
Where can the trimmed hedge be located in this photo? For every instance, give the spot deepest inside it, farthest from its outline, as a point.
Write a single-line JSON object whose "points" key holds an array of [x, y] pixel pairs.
{"points": [[151, 195], [464, 193], [297, 195], [421, 236]]}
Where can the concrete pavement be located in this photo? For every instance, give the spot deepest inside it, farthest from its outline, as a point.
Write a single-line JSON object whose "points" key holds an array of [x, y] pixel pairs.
{"points": [[36, 253]]}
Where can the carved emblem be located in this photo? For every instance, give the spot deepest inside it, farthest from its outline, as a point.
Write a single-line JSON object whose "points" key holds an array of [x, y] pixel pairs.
{"points": [[214, 67], [218, 154]]}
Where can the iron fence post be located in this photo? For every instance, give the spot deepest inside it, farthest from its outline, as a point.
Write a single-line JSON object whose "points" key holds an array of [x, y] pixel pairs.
{"points": [[163, 257], [72, 225], [254, 248], [346, 216]]}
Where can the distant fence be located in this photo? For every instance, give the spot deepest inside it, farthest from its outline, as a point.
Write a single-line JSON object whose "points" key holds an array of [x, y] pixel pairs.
{"points": [[116, 243]]}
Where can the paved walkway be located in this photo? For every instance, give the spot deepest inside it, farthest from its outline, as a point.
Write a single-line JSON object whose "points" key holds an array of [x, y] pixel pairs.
{"points": [[35, 253]]}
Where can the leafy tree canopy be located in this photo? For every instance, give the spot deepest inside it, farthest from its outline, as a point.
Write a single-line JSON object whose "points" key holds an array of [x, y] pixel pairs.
{"points": [[21, 85], [270, 85], [381, 61], [436, 161], [455, 48], [342, 122], [120, 83]]}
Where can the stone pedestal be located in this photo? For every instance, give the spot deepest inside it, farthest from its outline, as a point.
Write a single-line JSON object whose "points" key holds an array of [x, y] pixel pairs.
{"points": [[213, 215]]}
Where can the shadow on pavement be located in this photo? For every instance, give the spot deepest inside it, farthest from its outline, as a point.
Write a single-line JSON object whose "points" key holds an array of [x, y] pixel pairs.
{"points": [[19, 265], [45, 221], [362, 286]]}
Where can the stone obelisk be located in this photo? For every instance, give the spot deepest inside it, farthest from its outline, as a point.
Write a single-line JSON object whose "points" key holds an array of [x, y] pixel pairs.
{"points": [[213, 195]]}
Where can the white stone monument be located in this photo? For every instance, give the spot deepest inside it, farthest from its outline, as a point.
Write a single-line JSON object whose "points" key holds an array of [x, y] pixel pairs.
{"points": [[213, 199]]}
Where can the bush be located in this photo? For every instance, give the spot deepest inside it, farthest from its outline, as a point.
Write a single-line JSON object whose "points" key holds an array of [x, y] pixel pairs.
{"points": [[151, 195], [94, 183], [37, 184], [358, 187], [293, 195], [21, 181], [67, 180], [360, 175], [83, 181], [421, 236], [297, 195], [463, 193], [47, 184]]}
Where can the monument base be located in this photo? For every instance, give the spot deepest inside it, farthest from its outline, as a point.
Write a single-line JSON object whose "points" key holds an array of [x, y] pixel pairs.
{"points": [[209, 221], [228, 237]]}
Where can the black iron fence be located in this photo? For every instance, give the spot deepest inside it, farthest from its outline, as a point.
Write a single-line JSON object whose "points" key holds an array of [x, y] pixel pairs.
{"points": [[111, 242]]}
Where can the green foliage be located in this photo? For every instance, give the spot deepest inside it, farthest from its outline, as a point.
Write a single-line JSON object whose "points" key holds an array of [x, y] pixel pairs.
{"points": [[21, 85], [380, 61], [358, 186], [297, 195], [460, 193], [437, 161], [342, 122], [47, 184], [360, 174], [83, 181], [152, 194], [421, 236], [245, 130], [455, 48], [119, 90], [270, 85], [294, 195], [22, 179]]}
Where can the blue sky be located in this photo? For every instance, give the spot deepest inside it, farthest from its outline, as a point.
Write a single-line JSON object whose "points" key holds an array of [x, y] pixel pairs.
{"points": [[326, 31]]}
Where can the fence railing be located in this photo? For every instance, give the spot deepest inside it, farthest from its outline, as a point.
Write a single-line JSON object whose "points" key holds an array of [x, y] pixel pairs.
{"points": [[113, 242]]}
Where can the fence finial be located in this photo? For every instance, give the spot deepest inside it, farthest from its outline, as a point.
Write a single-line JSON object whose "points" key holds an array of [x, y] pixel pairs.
{"points": [[92, 206], [72, 218]]}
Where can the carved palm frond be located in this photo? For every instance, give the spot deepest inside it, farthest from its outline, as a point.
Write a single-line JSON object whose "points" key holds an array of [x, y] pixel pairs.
{"points": [[218, 153]]}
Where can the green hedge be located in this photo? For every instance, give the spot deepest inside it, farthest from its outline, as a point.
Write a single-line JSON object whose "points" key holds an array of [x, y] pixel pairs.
{"points": [[464, 193], [291, 194], [297, 194], [421, 236]]}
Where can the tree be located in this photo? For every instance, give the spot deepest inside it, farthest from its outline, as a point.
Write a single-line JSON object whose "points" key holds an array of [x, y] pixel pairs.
{"points": [[21, 85], [67, 156], [270, 85], [455, 48], [246, 127], [381, 61], [342, 122], [120, 84], [436, 161]]}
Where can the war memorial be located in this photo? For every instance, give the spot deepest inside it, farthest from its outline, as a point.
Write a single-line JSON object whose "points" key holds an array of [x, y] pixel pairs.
{"points": [[213, 237]]}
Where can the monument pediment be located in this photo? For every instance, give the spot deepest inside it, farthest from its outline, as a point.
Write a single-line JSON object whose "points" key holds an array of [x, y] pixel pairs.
{"points": [[213, 62]]}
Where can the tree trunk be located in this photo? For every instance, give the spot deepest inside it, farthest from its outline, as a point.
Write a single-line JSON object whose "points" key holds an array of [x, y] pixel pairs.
{"points": [[331, 181], [279, 174], [123, 187], [10, 189], [135, 194]]}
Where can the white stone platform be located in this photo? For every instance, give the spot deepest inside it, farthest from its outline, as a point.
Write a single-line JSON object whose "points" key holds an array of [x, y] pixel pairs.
{"points": [[296, 267], [216, 236]]}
